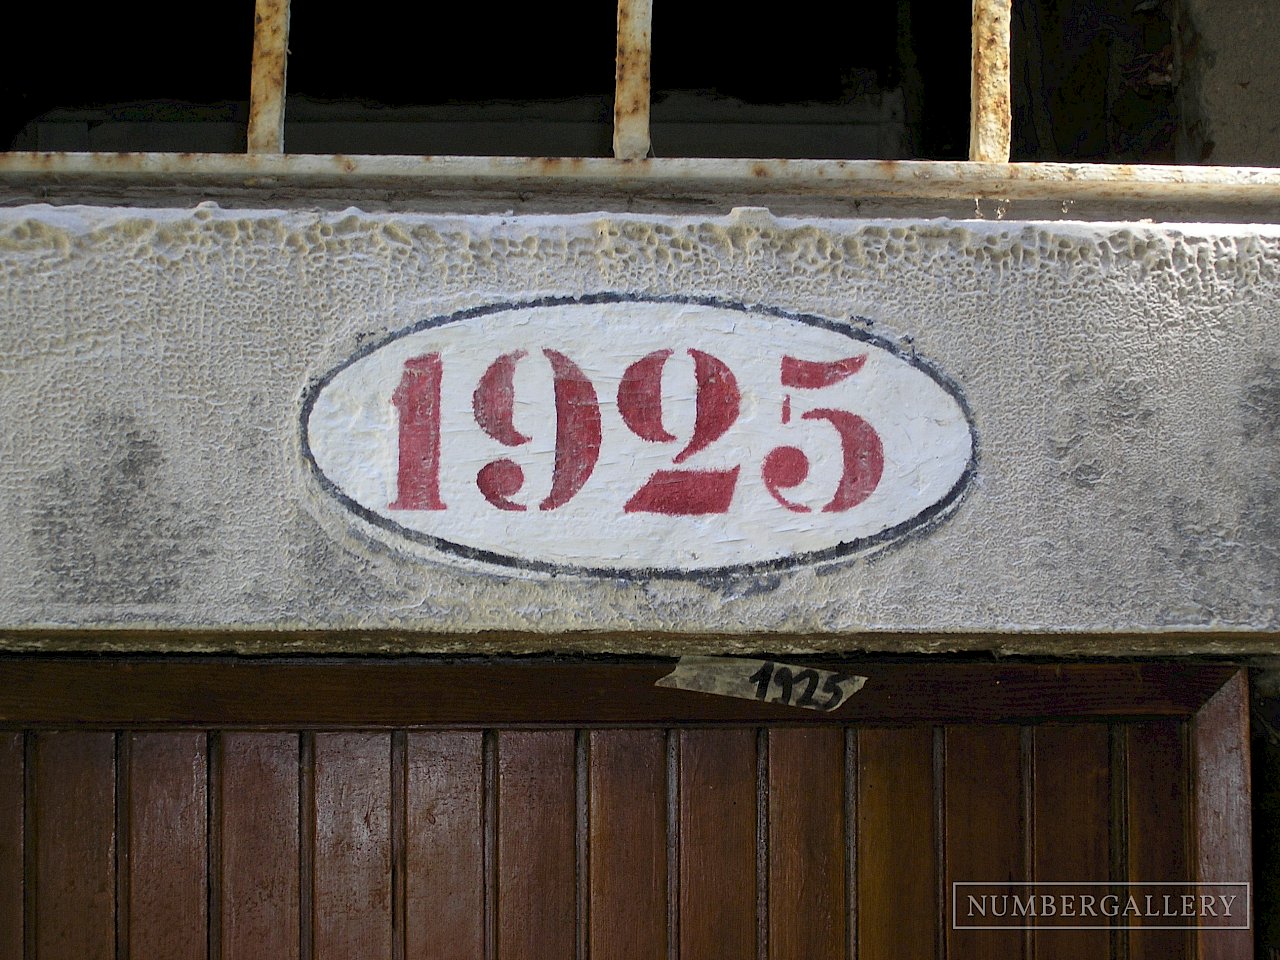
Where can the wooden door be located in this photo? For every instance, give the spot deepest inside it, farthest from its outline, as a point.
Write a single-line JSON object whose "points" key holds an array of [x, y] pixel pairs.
{"points": [[390, 810]]}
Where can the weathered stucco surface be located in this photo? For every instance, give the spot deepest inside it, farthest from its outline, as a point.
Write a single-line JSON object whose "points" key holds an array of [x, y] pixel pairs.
{"points": [[1124, 381]]}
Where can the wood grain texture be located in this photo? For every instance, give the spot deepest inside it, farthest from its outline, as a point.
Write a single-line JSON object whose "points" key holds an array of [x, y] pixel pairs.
{"points": [[628, 844], [1158, 828], [368, 694], [168, 855], [75, 880], [259, 841], [444, 839], [1071, 806], [897, 907], [807, 897], [11, 843], [1220, 741], [984, 828], [351, 897], [536, 845], [718, 844]]}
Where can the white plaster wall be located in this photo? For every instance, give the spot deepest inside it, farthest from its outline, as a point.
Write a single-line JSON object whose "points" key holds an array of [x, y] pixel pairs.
{"points": [[1124, 381]]}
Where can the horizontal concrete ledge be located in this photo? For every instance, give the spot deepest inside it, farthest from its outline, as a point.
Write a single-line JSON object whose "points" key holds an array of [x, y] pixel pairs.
{"points": [[903, 179], [266, 642]]}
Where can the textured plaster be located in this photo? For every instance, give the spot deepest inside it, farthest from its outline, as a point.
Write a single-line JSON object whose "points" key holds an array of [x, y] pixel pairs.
{"points": [[1124, 381]]}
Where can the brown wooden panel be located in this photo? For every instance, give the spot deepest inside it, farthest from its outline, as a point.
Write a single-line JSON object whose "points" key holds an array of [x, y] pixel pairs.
{"points": [[445, 847], [537, 902], [311, 694], [807, 844], [11, 851], [897, 908], [1071, 789], [351, 898], [75, 881], [1222, 807], [984, 827], [628, 844], [168, 855], [718, 844], [1158, 827], [258, 795]]}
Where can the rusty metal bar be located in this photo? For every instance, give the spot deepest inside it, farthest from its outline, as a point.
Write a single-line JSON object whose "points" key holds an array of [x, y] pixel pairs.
{"points": [[631, 92], [266, 93], [990, 114], [912, 179]]}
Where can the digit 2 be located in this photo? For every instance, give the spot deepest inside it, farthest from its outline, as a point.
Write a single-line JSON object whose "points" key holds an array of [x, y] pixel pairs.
{"points": [[681, 492]]}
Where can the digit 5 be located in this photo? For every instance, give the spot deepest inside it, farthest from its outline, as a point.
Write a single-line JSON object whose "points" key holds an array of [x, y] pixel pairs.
{"points": [[862, 453]]}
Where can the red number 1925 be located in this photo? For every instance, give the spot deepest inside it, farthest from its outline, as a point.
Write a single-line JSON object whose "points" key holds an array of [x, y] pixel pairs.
{"points": [[674, 492]]}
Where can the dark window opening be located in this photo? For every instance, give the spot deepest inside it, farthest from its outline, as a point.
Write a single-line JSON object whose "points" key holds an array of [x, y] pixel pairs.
{"points": [[1092, 80], [80, 76]]}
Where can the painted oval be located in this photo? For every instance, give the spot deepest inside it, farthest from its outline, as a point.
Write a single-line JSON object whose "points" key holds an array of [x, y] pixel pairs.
{"points": [[627, 437]]}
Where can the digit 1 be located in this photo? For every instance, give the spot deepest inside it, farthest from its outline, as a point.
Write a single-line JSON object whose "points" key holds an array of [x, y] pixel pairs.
{"points": [[417, 401], [761, 679]]}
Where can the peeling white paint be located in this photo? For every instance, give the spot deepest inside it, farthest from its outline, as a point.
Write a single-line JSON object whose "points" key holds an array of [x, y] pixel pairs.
{"points": [[1123, 379], [353, 434]]}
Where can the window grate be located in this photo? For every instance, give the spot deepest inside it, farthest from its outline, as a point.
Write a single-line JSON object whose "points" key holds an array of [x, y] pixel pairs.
{"points": [[988, 174]]}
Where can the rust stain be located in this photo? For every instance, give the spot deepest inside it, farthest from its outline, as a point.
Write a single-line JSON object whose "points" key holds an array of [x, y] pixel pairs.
{"points": [[631, 93], [662, 177], [266, 95], [990, 118]]}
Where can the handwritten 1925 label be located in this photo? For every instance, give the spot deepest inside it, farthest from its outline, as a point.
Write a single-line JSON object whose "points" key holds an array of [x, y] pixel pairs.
{"points": [[618, 436], [765, 680]]}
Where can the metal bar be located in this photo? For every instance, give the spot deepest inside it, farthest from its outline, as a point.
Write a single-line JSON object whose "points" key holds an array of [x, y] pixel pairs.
{"points": [[855, 179], [631, 93], [266, 92], [990, 114]]}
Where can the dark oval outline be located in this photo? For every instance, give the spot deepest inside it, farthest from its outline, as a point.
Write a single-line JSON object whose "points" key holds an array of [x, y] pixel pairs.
{"points": [[926, 519]]}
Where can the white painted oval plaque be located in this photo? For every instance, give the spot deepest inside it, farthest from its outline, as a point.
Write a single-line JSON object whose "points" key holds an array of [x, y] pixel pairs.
{"points": [[617, 436]]}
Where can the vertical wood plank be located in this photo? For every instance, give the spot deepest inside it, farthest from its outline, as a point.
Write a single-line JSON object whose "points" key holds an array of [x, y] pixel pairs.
{"points": [[897, 906], [11, 843], [445, 847], [1158, 827], [1223, 794], [168, 857], [628, 844], [806, 844], [718, 844], [351, 897], [74, 885], [399, 827], [259, 838], [984, 827], [1071, 800], [536, 847]]}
